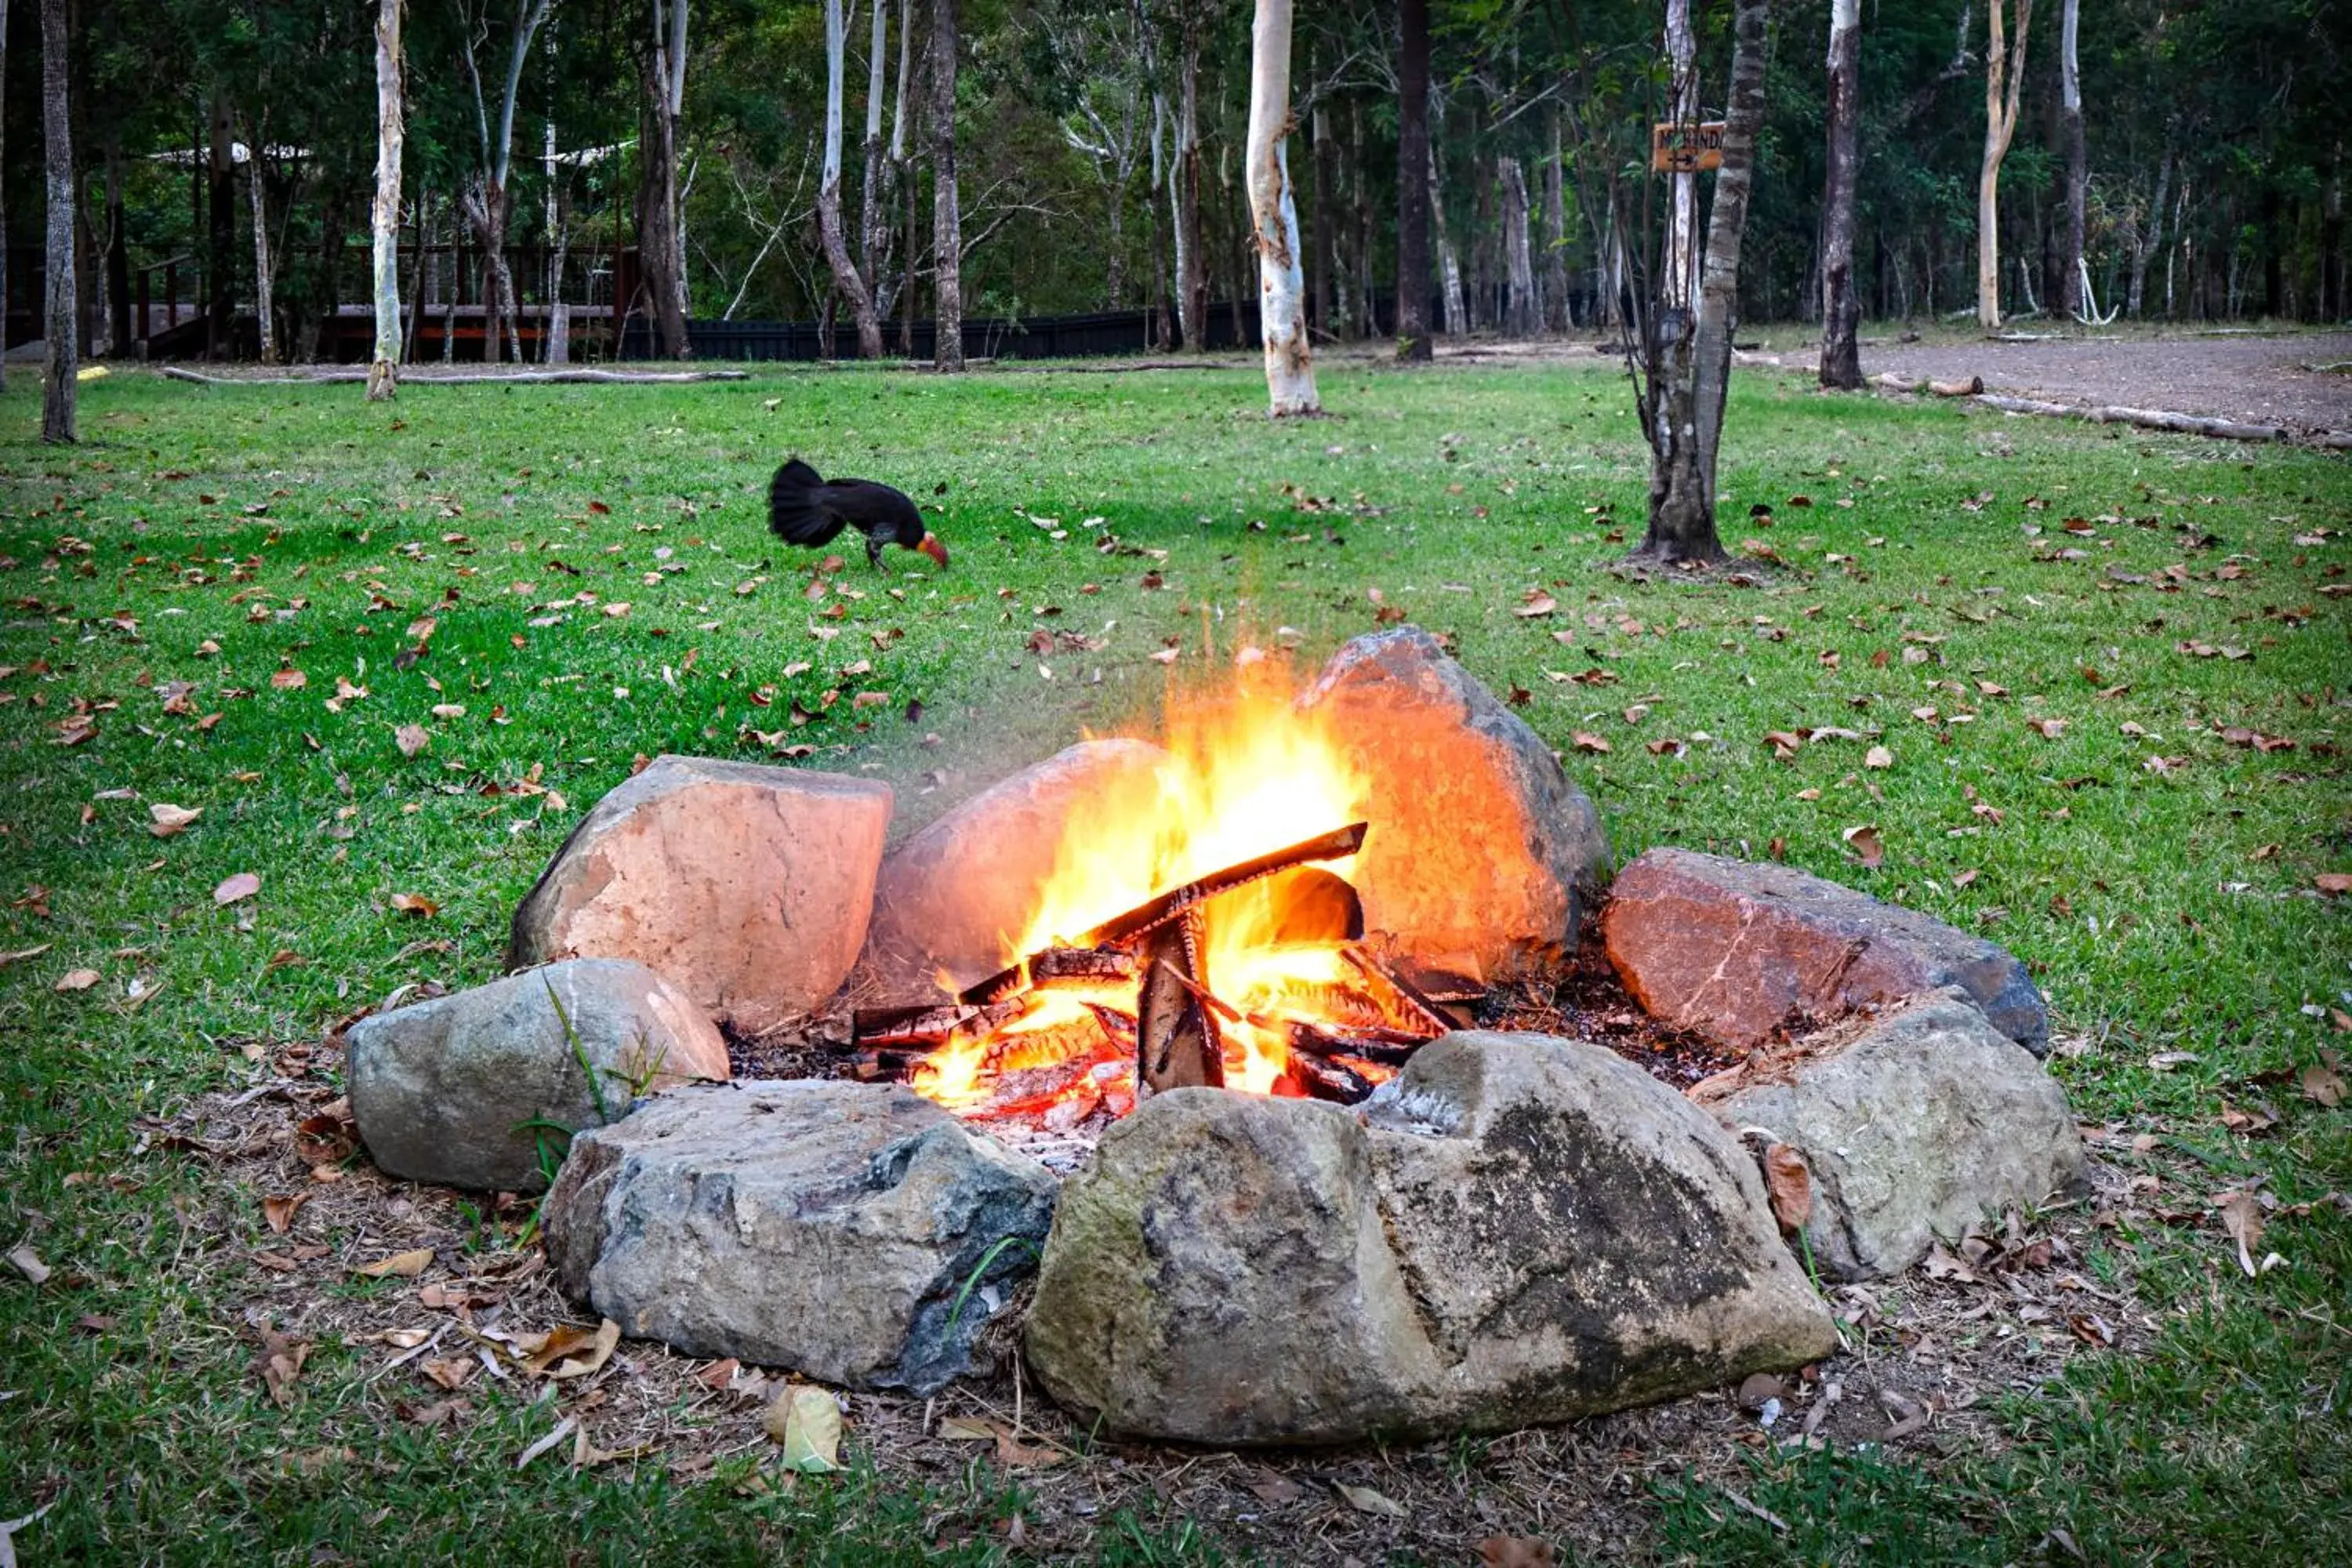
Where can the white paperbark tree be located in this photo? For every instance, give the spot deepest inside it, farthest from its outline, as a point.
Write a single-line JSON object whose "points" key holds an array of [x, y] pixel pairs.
{"points": [[383, 371], [1184, 194], [1679, 288], [2004, 68], [490, 203], [1273, 218], [2078, 175], [61, 363], [1523, 310], [265, 270], [846, 276]]}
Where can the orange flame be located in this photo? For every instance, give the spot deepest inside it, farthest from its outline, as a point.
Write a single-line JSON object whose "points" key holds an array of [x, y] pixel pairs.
{"points": [[1246, 773]]}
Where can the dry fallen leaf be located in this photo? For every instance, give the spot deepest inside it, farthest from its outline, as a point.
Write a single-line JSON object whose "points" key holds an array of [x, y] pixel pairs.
{"points": [[2241, 1217], [806, 1420], [450, 1375], [2333, 883], [2322, 1083], [289, 681], [1878, 757], [28, 1263], [1515, 1552], [1866, 842], [1791, 1183], [279, 1360], [1364, 1500], [280, 1211], [411, 738], [414, 904], [76, 980], [170, 819], [585, 1355], [1536, 602], [1586, 740], [407, 1265], [244, 885], [967, 1430]]}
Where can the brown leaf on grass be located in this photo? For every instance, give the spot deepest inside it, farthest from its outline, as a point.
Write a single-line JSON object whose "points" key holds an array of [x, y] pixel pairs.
{"points": [[28, 1263], [1586, 740], [280, 1362], [232, 890], [1515, 1552], [2241, 1217], [280, 1211], [2323, 1081], [966, 1429], [1536, 602], [1962, 879], [170, 819], [720, 1375], [288, 680], [1878, 757], [806, 1421], [451, 1374], [414, 904], [2335, 884], [411, 738], [1866, 842], [22, 954], [403, 1265], [1785, 744], [2049, 728], [1014, 1454], [571, 1351], [1791, 1180], [76, 980]]}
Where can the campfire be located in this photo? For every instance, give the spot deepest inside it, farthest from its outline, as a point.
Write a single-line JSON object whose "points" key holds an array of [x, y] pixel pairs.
{"points": [[1211, 940]]}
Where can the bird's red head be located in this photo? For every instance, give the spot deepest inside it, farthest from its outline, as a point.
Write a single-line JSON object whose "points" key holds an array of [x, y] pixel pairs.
{"points": [[930, 546]]}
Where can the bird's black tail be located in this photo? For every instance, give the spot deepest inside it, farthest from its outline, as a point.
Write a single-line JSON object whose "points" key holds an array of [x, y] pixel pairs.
{"points": [[796, 510]]}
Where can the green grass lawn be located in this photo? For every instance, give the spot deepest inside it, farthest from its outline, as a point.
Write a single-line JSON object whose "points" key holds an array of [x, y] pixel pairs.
{"points": [[2063, 777]]}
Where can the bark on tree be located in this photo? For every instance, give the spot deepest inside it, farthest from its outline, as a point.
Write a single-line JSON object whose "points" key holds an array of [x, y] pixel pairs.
{"points": [[902, 178], [384, 366], [1415, 181], [1558, 315], [118, 250], [1184, 193], [1841, 305], [873, 197], [661, 243], [947, 218], [220, 228], [1321, 255], [60, 364], [1684, 418], [846, 276], [1681, 270], [2070, 100], [2004, 85], [1521, 312], [2149, 237], [265, 273], [3, 193], [490, 204], [1449, 265], [1273, 218]]}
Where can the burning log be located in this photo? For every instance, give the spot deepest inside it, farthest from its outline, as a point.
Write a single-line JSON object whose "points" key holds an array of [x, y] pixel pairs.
{"points": [[1124, 929], [1397, 995], [1324, 1078], [1053, 968], [1177, 1044], [1385, 1047], [929, 1026]]}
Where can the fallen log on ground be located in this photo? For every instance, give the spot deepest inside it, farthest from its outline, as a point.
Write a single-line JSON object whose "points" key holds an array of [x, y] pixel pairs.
{"points": [[2161, 419], [469, 378], [1894, 383]]}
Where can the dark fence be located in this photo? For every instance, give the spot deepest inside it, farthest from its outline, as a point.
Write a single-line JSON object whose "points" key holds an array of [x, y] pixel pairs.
{"points": [[1098, 332]]}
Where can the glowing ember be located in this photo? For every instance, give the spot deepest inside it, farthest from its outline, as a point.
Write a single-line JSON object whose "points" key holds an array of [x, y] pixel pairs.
{"points": [[1247, 775]]}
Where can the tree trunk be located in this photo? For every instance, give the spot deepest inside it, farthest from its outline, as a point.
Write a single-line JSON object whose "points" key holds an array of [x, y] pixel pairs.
{"points": [[4, 196], [1685, 428], [1522, 313], [1157, 325], [2149, 239], [873, 198], [1558, 315], [384, 214], [947, 219], [220, 228], [1413, 182], [902, 179], [1681, 262], [1449, 263], [2331, 235], [558, 347], [1184, 194], [2078, 167], [661, 245], [1318, 249], [1841, 308], [265, 273], [845, 277], [2001, 66], [60, 364], [1273, 218]]}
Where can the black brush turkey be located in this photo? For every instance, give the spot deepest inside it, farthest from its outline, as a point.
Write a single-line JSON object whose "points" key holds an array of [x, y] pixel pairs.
{"points": [[805, 509]]}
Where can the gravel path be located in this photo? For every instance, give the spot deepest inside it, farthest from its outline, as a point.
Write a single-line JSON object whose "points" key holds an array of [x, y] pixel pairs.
{"points": [[2259, 379]]}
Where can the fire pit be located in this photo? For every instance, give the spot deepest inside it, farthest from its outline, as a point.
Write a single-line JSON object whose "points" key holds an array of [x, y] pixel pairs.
{"points": [[1233, 979]]}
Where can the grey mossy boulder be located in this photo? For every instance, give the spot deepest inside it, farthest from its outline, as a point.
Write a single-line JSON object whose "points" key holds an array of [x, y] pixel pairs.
{"points": [[1516, 1230], [748, 886], [855, 1233], [1480, 844], [1918, 1126], [467, 1089]]}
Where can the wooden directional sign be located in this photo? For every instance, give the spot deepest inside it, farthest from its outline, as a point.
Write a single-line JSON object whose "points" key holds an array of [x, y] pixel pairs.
{"points": [[1686, 149]]}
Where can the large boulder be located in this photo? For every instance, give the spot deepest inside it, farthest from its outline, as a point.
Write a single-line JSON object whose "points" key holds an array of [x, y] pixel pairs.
{"points": [[464, 1090], [748, 886], [1479, 842], [1515, 1230], [1918, 1126], [855, 1233], [952, 898], [1733, 949]]}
